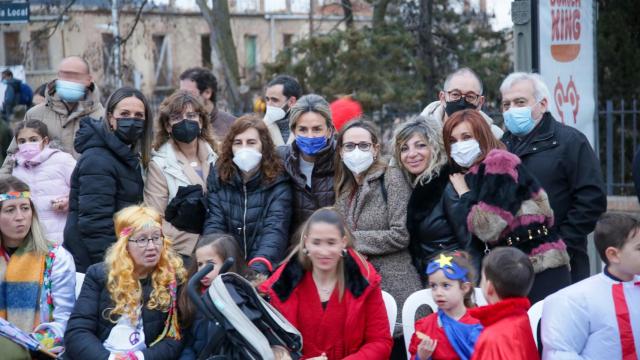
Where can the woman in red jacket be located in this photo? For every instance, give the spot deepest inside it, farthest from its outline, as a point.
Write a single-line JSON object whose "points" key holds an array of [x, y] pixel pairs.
{"points": [[331, 294]]}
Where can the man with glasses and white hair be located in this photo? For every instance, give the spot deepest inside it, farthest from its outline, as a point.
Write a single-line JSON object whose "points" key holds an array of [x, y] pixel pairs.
{"points": [[560, 157], [462, 90]]}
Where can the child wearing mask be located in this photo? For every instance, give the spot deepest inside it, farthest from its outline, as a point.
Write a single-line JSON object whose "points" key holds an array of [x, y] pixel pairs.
{"points": [[599, 317], [47, 171]]}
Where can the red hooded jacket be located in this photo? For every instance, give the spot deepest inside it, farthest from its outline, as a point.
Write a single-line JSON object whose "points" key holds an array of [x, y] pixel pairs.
{"points": [[355, 328], [507, 333]]}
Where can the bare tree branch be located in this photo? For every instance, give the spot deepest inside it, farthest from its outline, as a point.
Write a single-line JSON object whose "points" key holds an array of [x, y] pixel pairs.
{"points": [[135, 23]]}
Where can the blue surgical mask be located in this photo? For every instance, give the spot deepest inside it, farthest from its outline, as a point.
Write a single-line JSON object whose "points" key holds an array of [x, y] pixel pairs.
{"points": [[311, 145], [518, 120], [70, 91]]}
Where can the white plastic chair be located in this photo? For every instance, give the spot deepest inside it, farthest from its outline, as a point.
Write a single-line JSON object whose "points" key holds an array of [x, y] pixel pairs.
{"points": [[414, 301], [79, 281], [535, 314], [392, 309]]}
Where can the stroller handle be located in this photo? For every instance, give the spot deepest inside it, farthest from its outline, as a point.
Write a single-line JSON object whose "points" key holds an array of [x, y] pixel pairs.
{"points": [[194, 283]]}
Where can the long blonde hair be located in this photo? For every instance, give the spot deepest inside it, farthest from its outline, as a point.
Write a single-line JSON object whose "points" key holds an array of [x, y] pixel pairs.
{"points": [[431, 132], [331, 216], [123, 286]]}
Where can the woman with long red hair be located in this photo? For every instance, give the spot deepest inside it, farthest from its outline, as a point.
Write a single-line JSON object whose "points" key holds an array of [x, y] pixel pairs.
{"points": [[502, 203]]}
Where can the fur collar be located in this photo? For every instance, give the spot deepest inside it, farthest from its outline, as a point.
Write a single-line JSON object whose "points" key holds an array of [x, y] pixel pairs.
{"points": [[425, 196], [292, 274], [490, 314]]}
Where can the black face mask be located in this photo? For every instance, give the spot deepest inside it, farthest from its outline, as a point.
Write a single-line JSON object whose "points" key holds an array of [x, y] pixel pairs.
{"points": [[129, 130], [185, 131], [455, 106]]}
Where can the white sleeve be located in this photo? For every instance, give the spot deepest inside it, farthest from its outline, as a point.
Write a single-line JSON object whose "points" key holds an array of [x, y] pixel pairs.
{"points": [[63, 285], [565, 327]]}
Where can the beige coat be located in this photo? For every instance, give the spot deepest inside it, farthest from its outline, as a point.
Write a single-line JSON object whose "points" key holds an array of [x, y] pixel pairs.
{"points": [[168, 161], [380, 231], [61, 122]]}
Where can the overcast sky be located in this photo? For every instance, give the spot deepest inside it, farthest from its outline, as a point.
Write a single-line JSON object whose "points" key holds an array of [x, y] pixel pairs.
{"points": [[502, 10]]}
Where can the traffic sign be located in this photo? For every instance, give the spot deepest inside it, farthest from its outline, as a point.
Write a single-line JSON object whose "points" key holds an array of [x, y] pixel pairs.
{"points": [[11, 13]]}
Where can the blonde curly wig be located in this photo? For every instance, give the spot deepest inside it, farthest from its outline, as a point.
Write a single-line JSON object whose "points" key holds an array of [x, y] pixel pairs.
{"points": [[124, 287]]}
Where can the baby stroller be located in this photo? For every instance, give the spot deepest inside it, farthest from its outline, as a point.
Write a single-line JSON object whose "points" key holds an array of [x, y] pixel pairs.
{"points": [[251, 325]]}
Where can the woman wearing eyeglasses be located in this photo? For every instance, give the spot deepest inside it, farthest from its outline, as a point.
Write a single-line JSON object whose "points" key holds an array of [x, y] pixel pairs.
{"points": [[127, 307], [372, 196], [182, 155]]}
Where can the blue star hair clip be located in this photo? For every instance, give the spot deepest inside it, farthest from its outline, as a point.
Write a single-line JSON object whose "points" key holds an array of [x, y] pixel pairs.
{"points": [[450, 268]]}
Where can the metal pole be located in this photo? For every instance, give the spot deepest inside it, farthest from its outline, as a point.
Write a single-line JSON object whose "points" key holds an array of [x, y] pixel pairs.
{"points": [[311, 8], [522, 17], [609, 117], [115, 22]]}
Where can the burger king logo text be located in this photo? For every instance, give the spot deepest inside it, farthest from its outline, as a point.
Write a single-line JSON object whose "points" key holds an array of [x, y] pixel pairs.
{"points": [[565, 29]]}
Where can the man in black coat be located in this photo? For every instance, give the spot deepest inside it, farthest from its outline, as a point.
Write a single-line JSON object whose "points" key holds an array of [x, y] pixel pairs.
{"points": [[560, 157]]}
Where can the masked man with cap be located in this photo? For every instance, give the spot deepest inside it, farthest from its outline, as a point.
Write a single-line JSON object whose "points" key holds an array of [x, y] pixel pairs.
{"points": [[69, 98], [281, 94], [462, 90]]}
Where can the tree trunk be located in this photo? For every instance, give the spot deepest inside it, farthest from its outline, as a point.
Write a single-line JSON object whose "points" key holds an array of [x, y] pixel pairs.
{"points": [[348, 13], [425, 45], [379, 12], [223, 50]]}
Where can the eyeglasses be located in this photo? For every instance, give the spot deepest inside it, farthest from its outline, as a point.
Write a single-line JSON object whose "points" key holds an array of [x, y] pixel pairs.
{"points": [[194, 116], [142, 242], [350, 146], [455, 95]]}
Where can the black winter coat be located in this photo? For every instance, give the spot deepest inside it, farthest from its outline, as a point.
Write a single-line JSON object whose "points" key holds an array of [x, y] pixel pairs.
{"points": [[307, 200], [256, 214], [432, 228], [87, 328], [562, 160], [107, 178]]}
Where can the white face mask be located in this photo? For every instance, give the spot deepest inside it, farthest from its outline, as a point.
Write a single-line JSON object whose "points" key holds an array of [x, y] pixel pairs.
{"points": [[274, 114], [465, 153], [247, 158], [357, 161]]}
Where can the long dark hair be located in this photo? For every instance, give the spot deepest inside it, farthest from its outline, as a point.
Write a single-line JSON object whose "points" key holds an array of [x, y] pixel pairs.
{"points": [[38, 126], [225, 246], [144, 144], [270, 165]]}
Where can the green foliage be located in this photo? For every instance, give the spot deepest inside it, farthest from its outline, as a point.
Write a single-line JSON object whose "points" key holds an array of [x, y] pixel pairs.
{"points": [[618, 47], [377, 65], [401, 63]]}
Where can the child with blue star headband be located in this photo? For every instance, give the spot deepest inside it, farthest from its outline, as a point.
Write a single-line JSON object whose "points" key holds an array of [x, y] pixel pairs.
{"points": [[449, 333]]}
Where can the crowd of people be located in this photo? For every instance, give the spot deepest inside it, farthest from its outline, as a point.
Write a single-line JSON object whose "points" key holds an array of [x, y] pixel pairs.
{"points": [[318, 217]]}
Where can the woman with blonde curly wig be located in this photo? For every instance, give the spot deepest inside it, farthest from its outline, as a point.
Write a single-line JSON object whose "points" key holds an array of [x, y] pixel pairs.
{"points": [[127, 306]]}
